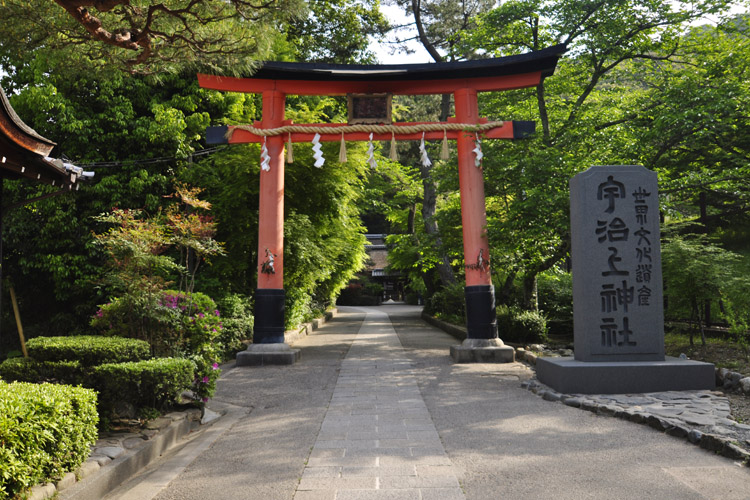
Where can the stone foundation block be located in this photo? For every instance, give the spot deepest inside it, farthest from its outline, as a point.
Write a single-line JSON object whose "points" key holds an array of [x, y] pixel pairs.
{"points": [[570, 376], [482, 351], [268, 354]]}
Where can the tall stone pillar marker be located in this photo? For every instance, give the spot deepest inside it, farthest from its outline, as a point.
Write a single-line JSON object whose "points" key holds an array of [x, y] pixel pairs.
{"points": [[618, 315]]}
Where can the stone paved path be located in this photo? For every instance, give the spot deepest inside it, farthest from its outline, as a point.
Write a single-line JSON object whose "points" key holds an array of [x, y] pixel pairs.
{"points": [[377, 440], [358, 417]]}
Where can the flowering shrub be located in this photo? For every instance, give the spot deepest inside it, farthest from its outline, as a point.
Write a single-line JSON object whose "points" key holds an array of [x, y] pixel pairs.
{"points": [[185, 325], [237, 323]]}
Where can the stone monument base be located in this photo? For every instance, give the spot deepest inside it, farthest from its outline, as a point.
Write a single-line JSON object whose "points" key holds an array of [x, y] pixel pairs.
{"points": [[482, 351], [268, 354], [568, 376]]}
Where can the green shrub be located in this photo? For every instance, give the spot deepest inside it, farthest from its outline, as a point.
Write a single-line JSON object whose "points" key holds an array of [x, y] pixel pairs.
{"points": [[412, 298], [360, 292], [181, 325], [448, 304], [236, 323], [20, 370], [518, 326], [66, 372], [555, 290], [155, 383], [89, 350], [45, 431], [31, 370]]}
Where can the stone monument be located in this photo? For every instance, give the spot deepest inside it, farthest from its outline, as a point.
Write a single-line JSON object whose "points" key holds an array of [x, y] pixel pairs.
{"points": [[618, 315]]}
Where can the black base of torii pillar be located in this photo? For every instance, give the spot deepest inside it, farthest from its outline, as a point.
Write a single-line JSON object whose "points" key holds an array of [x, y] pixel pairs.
{"points": [[268, 347]]}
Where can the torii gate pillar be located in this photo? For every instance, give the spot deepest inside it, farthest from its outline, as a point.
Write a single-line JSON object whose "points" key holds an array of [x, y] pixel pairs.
{"points": [[482, 343], [268, 345]]}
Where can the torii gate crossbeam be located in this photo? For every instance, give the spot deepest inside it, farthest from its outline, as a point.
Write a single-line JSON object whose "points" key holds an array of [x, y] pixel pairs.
{"points": [[464, 80]]}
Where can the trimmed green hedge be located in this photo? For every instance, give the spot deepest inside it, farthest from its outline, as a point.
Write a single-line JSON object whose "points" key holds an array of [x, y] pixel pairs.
{"points": [[89, 350], [20, 370], [154, 383], [31, 370], [45, 431], [518, 326]]}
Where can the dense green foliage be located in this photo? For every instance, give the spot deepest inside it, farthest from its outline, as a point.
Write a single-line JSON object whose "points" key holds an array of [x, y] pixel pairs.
{"points": [[186, 325], [144, 138], [89, 350], [641, 83], [153, 383], [663, 84], [46, 430], [146, 36], [361, 292], [236, 323], [31, 370], [518, 326], [448, 304], [121, 369]]}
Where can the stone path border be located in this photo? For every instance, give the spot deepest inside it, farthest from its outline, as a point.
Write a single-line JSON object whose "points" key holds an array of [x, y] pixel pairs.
{"points": [[377, 440], [117, 456], [701, 417]]}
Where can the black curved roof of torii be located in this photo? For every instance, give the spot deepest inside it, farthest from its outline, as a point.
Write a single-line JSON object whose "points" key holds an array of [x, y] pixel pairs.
{"points": [[543, 60]]}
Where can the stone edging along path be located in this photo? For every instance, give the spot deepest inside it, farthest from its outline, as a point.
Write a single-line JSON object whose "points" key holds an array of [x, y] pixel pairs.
{"points": [[701, 417], [117, 456]]}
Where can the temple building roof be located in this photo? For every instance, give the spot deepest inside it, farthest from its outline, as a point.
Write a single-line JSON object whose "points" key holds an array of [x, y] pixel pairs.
{"points": [[25, 154]]}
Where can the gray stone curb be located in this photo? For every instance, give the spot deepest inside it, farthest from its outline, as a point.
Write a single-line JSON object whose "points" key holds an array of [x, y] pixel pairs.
{"points": [[291, 336], [455, 331], [732, 381], [117, 456]]}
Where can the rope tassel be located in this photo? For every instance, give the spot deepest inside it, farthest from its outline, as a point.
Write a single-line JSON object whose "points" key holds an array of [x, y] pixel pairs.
{"points": [[289, 150], [445, 153], [342, 150], [394, 153]]}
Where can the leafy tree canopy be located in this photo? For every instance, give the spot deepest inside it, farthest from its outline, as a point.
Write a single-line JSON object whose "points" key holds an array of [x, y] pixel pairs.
{"points": [[146, 36]]}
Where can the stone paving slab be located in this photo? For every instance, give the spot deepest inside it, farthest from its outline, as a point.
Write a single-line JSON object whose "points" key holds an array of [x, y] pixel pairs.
{"points": [[377, 439]]}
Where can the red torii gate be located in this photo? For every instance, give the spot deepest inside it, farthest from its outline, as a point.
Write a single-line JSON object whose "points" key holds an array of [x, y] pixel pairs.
{"points": [[464, 80]]}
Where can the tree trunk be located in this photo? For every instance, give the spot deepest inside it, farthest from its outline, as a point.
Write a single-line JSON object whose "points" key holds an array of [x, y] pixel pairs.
{"points": [[429, 204], [502, 296], [429, 207], [530, 295]]}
